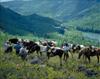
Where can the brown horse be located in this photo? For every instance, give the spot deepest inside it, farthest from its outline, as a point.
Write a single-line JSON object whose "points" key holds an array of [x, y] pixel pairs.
{"points": [[56, 52], [32, 47], [88, 52]]}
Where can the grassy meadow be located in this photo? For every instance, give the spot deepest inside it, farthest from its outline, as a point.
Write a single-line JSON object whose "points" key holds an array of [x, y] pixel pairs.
{"points": [[13, 67]]}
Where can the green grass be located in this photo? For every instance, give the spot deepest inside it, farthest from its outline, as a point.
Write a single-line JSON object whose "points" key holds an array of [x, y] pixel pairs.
{"points": [[12, 67]]}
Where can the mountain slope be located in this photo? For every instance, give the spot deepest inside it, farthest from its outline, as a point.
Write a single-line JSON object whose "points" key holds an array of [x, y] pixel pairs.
{"points": [[89, 20], [14, 23], [57, 9]]}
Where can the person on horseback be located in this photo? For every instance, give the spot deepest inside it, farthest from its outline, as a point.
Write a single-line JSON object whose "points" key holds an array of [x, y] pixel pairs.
{"points": [[17, 47], [66, 49], [23, 52]]}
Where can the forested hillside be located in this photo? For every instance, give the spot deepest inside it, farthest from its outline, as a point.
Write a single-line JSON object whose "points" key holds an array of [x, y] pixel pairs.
{"points": [[56, 9], [15, 23], [89, 21]]}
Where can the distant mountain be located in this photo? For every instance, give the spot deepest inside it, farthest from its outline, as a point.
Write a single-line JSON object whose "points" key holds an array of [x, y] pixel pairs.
{"points": [[87, 21], [15, 23], [12, 22], [57, 9]]}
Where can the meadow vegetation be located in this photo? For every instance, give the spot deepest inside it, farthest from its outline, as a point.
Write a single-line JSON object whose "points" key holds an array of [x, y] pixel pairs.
{"points": [[12, 67]]}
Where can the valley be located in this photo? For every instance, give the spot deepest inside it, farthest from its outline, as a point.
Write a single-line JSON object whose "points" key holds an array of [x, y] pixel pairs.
{"points": [[74, 22]]}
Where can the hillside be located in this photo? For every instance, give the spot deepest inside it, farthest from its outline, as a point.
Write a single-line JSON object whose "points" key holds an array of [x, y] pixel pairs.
{"points": [[76, 22], [89, 21], [15, 23], [13, 67], [87, 24], [57, 9]]}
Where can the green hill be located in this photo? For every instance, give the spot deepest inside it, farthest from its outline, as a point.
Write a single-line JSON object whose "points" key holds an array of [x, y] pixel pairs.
{"points": [[15, 23], [57, 9], [89, 20]]}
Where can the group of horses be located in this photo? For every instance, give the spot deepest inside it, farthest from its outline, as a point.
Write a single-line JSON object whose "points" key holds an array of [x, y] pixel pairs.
{"points": [[51, 49]]}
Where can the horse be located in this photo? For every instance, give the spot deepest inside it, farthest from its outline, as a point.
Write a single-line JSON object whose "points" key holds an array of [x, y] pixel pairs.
{"points": [[49, 43], [76, 48], [35, 48], [31, 46], [13, 40], [9, 49], [96, 51], [88, 52], [55, 52]]}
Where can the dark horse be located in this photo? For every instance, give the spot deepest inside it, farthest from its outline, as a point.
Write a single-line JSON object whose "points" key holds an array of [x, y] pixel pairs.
{"points": [[9, 49], [88, 52], [13, 40], [32, 47], [35, 48], [55, 52]]}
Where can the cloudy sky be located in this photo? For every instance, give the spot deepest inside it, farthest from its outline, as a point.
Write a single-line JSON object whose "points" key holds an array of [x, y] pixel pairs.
{"points": [[12, 0]]}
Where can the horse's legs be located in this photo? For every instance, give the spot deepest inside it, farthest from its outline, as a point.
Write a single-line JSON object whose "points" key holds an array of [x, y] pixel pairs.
{"points": [[40, 53], [98, 58], [48, 55], [71, 54], [60, 61], [84, 58], [37, 53], [66, 56], [60, 56], [89, 58]]}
